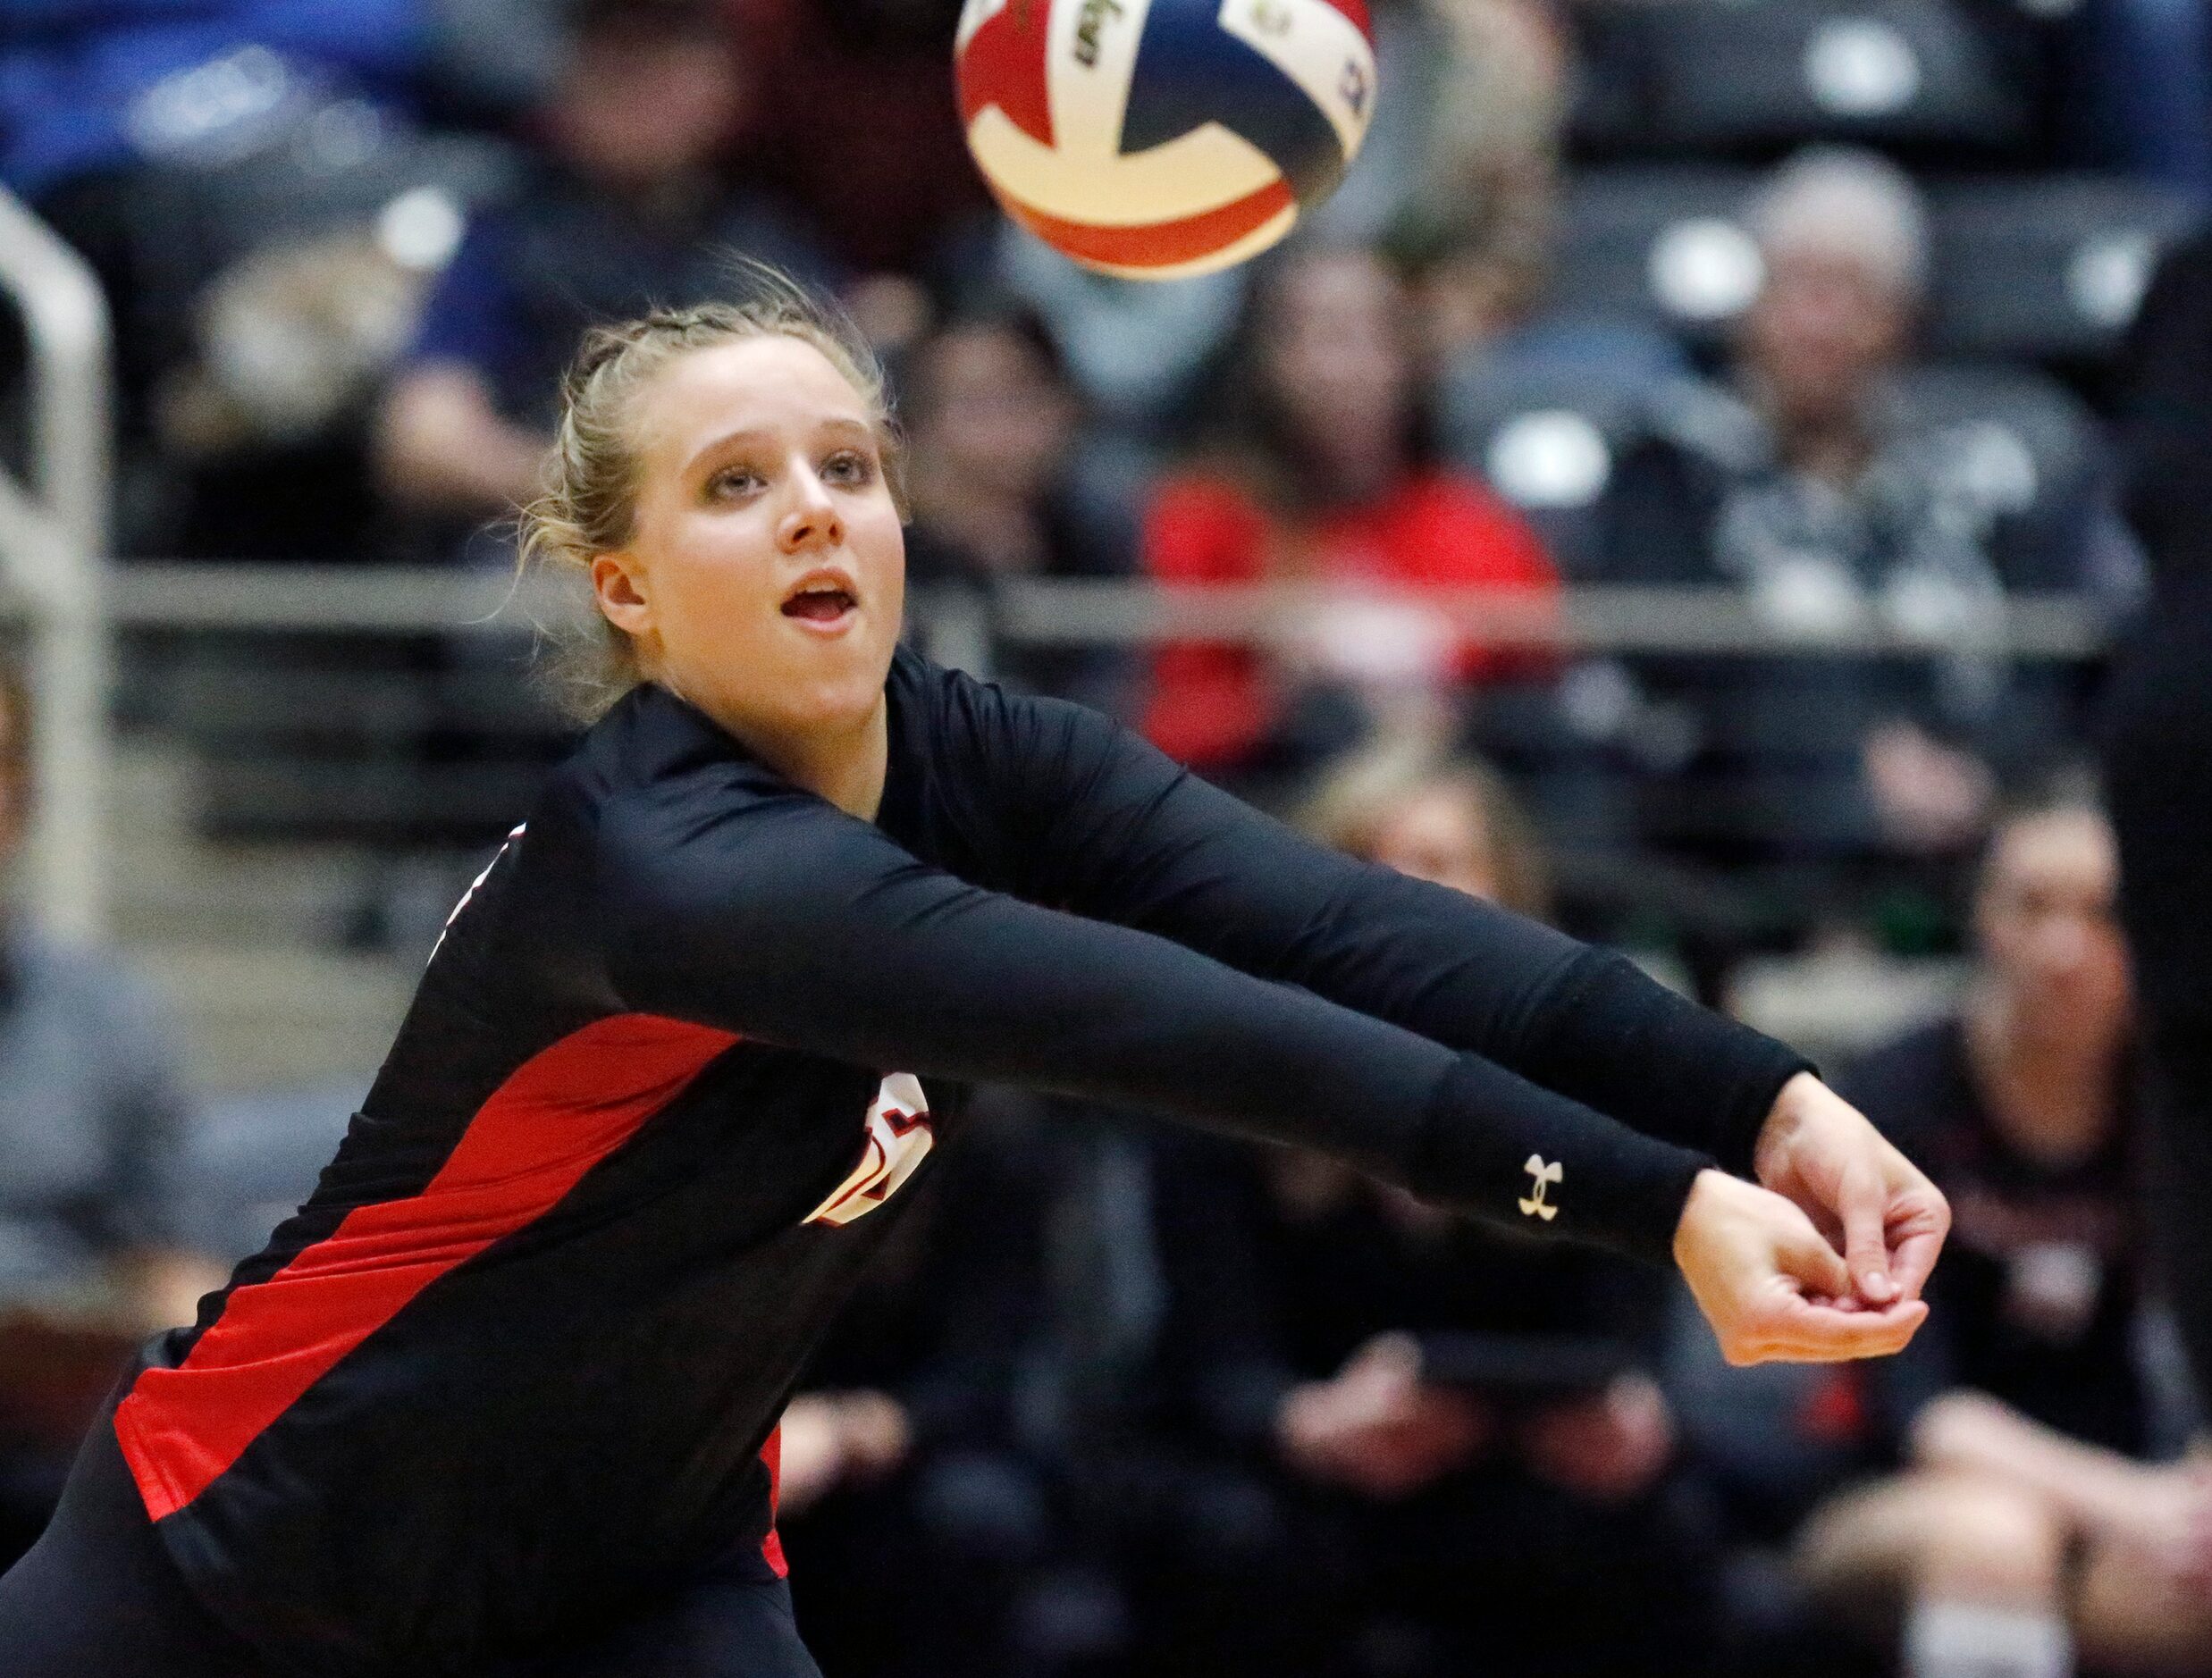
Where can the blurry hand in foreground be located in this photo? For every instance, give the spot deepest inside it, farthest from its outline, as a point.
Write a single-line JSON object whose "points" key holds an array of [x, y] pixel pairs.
{"points": [[1376, 1426], [1608, 1446], [831, 1440]]}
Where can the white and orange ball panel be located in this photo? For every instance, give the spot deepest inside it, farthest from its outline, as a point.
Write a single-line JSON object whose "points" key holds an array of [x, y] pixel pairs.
{"points": [[1158, 139]]}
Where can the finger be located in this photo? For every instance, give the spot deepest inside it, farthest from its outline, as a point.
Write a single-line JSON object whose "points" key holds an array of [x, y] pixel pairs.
{"points": [[1862, 1203], [1801, 1332], [1809, 1261], [1918, 1237]]}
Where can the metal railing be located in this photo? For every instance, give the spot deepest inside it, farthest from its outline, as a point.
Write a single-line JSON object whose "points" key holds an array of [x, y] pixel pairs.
{"points": [[1588, 619], [53, 547], [960, 625]]}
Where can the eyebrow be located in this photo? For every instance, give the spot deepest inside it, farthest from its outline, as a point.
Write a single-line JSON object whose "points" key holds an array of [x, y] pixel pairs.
{"points": [[755, 433]]}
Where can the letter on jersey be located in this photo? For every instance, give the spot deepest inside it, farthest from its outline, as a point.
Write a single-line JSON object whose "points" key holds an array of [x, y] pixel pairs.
{"points": [[898, 1139]]}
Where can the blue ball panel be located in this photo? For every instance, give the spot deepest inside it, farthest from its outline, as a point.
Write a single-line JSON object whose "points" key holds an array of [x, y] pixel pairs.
{"points": [[1190, 71]]}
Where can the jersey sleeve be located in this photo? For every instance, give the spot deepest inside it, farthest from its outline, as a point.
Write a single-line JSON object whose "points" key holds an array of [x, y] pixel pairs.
{"points": [[773, 915], [1118, 830]]}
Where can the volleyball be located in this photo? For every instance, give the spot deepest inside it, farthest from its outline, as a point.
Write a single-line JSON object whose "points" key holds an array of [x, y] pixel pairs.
{"points": [[1162, 138]]}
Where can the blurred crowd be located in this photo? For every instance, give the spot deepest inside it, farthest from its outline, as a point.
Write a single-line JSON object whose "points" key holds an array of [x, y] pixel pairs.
{"points": [[1859, 320]]}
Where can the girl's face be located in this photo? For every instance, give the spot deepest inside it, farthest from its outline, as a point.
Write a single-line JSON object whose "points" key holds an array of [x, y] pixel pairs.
{"points": [[1337, 355], [2047, 916], [997, 419], [765, 574]]}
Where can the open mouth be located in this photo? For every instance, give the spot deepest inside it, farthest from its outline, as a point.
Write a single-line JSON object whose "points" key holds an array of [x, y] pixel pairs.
{"points": [[822, 602]]}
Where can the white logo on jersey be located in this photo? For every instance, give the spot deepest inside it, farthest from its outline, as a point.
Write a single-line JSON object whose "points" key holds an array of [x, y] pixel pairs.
{"points": [[898, 1139], [1538, 1205], [471, 892]]}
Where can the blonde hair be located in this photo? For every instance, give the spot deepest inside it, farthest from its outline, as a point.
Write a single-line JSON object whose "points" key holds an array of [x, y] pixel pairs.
{"points": [[589, 503], [1355, 799]]}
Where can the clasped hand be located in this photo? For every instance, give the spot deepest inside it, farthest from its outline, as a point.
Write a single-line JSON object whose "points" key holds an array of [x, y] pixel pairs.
{"points": [[1824, 1259]]}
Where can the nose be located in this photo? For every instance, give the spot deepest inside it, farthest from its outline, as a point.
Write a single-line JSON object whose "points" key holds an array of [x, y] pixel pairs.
{"points": [[812, 521], [2063, 946]]}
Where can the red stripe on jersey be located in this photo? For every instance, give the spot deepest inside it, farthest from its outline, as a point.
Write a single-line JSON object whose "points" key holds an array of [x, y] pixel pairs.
{"points": [[1003, 65], [773, 1546], [1160, 244], [558, 1114]]}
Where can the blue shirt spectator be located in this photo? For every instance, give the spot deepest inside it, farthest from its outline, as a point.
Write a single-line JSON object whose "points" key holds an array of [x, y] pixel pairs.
{"points": [[532, 274], [86, 89], [91, 1118], [627, 209]]}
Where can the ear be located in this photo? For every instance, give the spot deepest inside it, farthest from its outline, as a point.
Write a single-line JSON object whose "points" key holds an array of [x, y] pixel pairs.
{"points": [[618, 585]]}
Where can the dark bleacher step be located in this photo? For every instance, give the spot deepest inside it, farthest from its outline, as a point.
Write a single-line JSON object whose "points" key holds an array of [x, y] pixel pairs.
{"points": [[392, 802], [2047, 268], [1752, 79]]}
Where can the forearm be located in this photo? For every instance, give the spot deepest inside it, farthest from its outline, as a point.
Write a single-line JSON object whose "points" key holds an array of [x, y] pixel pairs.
{"points": [[1585, 1022], [441, 446], [1613, 1037]]}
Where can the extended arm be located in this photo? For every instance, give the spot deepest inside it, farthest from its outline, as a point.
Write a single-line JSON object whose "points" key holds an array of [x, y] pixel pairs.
{"points": [[767, 912], [1116, 830], [1120, 832], [776, 915]]}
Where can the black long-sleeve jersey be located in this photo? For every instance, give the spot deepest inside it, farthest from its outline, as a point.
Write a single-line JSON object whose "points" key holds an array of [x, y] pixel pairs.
{"points": [[519, 1359]]}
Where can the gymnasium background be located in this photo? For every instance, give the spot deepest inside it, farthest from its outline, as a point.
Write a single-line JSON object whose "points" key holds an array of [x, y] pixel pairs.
{"points": [[1689, 484]]}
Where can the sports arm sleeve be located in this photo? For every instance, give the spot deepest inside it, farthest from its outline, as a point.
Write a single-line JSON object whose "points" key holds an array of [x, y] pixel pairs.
{"points": [[1119, 831], [774, 915]]}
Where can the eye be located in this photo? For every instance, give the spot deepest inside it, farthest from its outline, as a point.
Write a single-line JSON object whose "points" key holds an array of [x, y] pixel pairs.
{"points": [[732, 481], [848, 465]]}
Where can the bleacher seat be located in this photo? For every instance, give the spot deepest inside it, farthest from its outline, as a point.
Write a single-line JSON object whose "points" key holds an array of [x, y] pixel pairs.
{"points": [[1544, 429], [1656, 243], [1734, 78], [2047, 268], [2036, 269], [405, 741]]}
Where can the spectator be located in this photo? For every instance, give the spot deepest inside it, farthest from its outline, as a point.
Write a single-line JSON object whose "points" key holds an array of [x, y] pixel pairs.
{"points": [[1455, 1433], [1459, 159], [1450, 821], [625, 211], [991, 423], [1820, 488], [90, 1120], [1496, 87], [76, 106], [1326, 479], [857, 117], [223, 166], [1142, 355], [2024, 1522]]}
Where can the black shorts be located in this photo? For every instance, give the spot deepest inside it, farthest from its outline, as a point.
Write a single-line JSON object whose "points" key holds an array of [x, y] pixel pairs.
{"points": [[98, 1595]]}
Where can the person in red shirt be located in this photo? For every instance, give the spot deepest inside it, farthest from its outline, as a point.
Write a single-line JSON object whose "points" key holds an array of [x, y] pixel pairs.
{"points": [[1324, 479]]}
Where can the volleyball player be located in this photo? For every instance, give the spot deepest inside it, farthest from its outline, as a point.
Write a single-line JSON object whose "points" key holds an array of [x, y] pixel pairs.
{"points": [[500, 1398]]}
